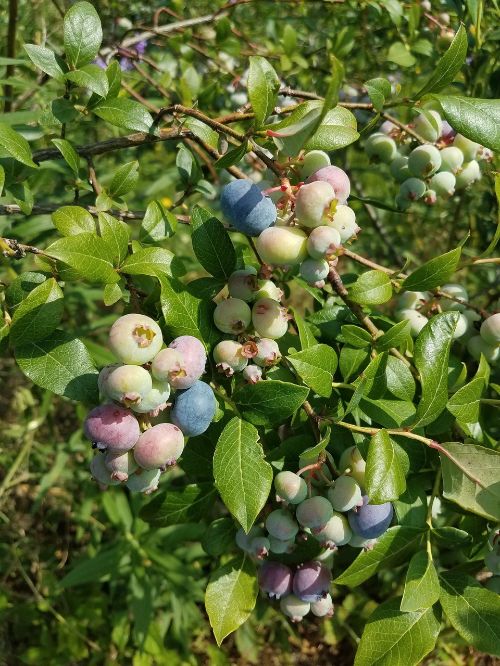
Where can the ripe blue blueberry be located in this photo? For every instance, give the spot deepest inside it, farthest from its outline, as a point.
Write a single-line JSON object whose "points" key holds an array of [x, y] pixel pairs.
{"points": [[248, 210], [194, 409], [370, 520], [311, 581]]}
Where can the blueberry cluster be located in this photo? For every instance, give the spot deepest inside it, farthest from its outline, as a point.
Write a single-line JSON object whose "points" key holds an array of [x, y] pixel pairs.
{"points": [[492, 561], [331, 513], [448, 162], [129, 449]]}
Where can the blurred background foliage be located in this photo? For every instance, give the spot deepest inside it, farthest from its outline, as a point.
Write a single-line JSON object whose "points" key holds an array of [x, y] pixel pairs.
{"points": [[136, 596]]}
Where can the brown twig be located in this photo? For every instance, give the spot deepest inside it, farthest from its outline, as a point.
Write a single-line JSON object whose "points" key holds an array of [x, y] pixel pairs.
{"points": [[47, 209]]}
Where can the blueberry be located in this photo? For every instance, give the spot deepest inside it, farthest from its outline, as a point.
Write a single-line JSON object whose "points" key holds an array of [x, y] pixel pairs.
{"points": [[312, 204], [294, 608], [248, 210], [399, 168], [417, 320], [335, 533], [135, 339], [144, 481], [323, 607], [229, 358], [120, 465], [159, 447], [345, 493], [335, 177], [282, 246], [243, 284], [370, 520], [344, 221], [469, 148], [101, 473], [381, 148], [259, 547], [268, 353], [275, 579], [267, 289], [154, 401], [477, 346], [243, 539], [314, 513], [443, 183], [323, 242], [281, 525], [490, 329], [314, 161], [232, 315], [269, 318], [430, 131], [128, 384], [452, 159], [280, 546], [112, 427], [424, 161], [352, 463], [194, 409], [311, 581], [290, 487], [252, 374], [315, 271], [469, 174], [456, 290]]}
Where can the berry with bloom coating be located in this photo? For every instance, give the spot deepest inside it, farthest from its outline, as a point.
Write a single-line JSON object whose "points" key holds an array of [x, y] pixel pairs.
{"points": [[462, 327], [128, 384], [411, 190], [111, 427], [323, 242], [311, 581], [443, 183], [345, 493], [423, 161], [411, 299], [335, 533], [381, 148], [314, 513], [370, 520], [120, 465], [194, 409], [447, 132], [259, 547], [135, 339], [294, 608], [452, 159], [243, 284], [101, 473], [314, 270], [469, 174], [417, 320], [335, 177], [267, 289], [290, 487], [103, 375], [194, 360], [268, 353], [228, 357], [280, 546], [313, 161], [281, 525], [159, 447], [246, 207], [429, 130], [312, 205], [352, 463], [252, 374], [454, 290], [243, 540], [490, 329], [323, 607], [477, 346], [275, 579], [155, 400], [466, 146], [399, 168], [344, 221], [144, 481], [232, 316], [282, 246], [269, 318]]}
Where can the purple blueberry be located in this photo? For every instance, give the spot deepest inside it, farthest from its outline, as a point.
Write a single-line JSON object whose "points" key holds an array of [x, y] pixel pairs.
{"points": [[112, 427], [247, 208], [275, 579], [311, 581], [194, 409], [370, 520], [159, 447], [337, 178]]}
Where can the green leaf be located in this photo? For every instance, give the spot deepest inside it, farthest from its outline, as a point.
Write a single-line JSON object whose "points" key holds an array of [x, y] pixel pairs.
{"points": [[232, 156], [211, 244], [473, 611], [337, 130], [466, 402], [448, 65], [392, 548], [114, 74], [394, 638], [356, 336], [219, 537], [421, 584], [2, 179], [385, 479], [292, 138], [60, 364], [38, 314], [470, 478], [351, 361], [82, 34], [396, 336], [316, 366], [44, 59], [23, 196], [400, 54], [270, 402], [111, 294], [306, 336], [124, 180], [263, 86], [432, 349], [411, 506], [124, 113], [73, 220], [70, 155], [92, 569], [185, 314], [16, 145], [371, 288], [434, 272], [242, 476], [477, 119], [153, 261], [91, 77], [188, 504], [230, 596], [158, 223], [378, 90], [116, 235], [88, 255]]}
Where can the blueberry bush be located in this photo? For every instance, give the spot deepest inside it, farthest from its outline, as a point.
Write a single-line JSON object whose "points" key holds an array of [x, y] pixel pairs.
{"points": [[250, 332]]}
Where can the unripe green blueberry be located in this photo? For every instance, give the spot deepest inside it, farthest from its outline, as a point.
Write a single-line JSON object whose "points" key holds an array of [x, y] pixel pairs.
{"points": [[101, 473], [281, 525], [352, 463], [344, 221], [267, 289], [357, 541], [452, 159], [314, 270], [335, 533], [252, 374], [430, 197], [282, 246], [411, 299], [469, 148], [232, 316], [411, 190], [443, 183], [314, 513], [144, 481], [454, 290], [345, 493], [323, 607], [380, 147], [424, 161], [268, 353], [135, 339], [243, 540], [388, 128], [120, 465], [313, 202], [490, 330], [323, 242], [462, 327], [259, 547], [243, 284], [470, 173], [335, 177], [155, 401], [294, 608], [229, 358], [313, 161], [194, 360], [112, 428], [399, 168], [167, 365], [269, 318], [279, 547], [417, 320], [290, 487], [159, 447], [477, 346], [430, 131], [103, 375], [128, 384]]}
